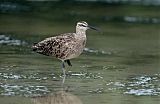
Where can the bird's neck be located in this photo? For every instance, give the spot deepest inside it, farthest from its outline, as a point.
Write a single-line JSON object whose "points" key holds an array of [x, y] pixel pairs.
{"points": [[81, 33]]}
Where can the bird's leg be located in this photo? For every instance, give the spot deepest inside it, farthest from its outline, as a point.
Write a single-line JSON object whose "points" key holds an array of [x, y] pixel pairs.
{"points": [[63, 80], [63, 68], [68, 62], [64, 72]]}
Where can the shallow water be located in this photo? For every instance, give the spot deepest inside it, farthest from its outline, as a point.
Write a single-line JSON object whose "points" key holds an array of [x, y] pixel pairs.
{"points": [[99, 76]]}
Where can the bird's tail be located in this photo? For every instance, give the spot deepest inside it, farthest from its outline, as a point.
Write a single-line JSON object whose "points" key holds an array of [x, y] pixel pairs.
{"points": [[35, 47], [39, 49]]}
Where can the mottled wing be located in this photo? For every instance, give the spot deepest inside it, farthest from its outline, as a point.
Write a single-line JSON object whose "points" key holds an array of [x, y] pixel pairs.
{"points": [[55, 46]]}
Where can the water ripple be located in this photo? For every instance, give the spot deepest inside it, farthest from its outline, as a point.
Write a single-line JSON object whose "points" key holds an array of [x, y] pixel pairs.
{"points": [[89, 50], [133, 19], [143, 85], [98, 90], [140, 92], [85, 75], [9, 7], [141, 20], [6, 40], [138, 85], [35, 76], [23, 90], [10, 87]]}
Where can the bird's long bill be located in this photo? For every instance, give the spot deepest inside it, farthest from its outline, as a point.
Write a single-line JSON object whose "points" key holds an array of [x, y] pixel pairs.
{"points": [[94, 28]]}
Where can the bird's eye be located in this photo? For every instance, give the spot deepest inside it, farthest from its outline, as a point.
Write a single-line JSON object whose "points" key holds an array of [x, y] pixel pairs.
{"points": [[82, 25]]}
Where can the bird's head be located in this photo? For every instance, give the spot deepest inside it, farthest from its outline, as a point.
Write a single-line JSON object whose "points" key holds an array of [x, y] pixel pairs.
{"points": [[84, 26]]}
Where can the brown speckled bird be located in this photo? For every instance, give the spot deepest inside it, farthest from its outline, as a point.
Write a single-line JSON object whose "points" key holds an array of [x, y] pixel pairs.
{"points": [[64, 46]]}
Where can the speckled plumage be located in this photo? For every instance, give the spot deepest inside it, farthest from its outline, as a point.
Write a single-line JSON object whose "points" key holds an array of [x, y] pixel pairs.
{"points": [[65, 46]]}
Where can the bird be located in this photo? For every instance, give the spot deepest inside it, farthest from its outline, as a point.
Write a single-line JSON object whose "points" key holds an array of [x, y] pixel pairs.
{"points": [[65, 46]]}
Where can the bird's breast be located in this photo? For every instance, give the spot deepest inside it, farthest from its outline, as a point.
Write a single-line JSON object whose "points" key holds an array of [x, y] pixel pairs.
{"points": [[77, 49]]}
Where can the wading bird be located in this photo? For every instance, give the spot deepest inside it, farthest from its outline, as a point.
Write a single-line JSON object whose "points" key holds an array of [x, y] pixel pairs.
{"points": [[65, 46]]}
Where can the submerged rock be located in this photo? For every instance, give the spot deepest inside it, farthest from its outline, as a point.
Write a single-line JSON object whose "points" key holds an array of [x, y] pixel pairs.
{"points": [[60, 97]]}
